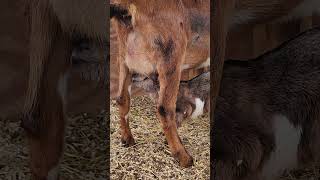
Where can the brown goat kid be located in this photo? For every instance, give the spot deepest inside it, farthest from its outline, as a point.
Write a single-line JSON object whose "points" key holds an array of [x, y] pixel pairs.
{"points": [[153, 40], [53, 23]]}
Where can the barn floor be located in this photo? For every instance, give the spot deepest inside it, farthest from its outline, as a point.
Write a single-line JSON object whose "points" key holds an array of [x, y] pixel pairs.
{"points": [[310, 173], [84, 157], [85, 151], [150, 157]]}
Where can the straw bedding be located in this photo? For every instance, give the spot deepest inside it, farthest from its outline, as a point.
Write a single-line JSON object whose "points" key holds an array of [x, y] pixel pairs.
{"points": [[150, 157]]}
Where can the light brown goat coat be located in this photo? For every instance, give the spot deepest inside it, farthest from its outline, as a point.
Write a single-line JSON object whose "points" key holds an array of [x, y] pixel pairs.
{"points": [[154, 42]]}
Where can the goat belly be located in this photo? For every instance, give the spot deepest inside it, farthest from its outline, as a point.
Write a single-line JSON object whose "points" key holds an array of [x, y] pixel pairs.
{"points": [[140, 66], [137, 59]]}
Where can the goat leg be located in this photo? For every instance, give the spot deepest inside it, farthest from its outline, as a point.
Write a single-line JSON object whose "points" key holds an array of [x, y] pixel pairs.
{"points": [[46, 87], [169, 78], [123, 101], [45, 129]]}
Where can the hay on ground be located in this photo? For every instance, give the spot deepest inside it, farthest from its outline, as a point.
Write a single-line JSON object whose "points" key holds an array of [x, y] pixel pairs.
{"points": [[150, 157], [84, 158]]}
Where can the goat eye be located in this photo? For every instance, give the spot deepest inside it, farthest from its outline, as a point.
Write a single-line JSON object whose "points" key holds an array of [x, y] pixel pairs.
{"points": [[185, 112]]}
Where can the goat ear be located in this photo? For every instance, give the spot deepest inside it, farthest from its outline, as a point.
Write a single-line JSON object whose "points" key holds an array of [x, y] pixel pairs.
{"points": [[121, 14]]}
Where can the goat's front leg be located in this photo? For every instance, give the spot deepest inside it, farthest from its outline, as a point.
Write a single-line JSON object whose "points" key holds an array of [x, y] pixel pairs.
{"points": [[46, 123], [169, 78], [123, 101], [44, 118]]}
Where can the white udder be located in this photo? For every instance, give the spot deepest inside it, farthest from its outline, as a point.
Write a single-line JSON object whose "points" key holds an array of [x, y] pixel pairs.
{"points": [[141, 66], [136, 57], [285, 155]]}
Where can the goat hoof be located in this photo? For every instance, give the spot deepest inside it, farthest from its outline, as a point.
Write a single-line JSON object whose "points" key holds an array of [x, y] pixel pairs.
{"points": [[184, 159], [127, 142], [186, 162]]}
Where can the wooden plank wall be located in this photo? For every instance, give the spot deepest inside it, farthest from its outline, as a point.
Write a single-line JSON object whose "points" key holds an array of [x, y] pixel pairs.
{"points": [[248, 42]]}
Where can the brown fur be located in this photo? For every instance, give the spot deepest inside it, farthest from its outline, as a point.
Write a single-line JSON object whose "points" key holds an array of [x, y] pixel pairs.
{"points": [[83, 96], [53, 23], [115, 68], [155, 40]]}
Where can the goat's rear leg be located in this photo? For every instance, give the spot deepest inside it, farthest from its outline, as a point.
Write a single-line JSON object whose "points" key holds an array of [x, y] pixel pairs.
{"points": [[169, 78], [44, 119], [123, 101]]}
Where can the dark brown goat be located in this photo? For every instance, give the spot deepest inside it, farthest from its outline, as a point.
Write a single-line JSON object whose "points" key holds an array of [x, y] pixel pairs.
{"points": [[229, 14], [281, 89], [281, 83]]}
